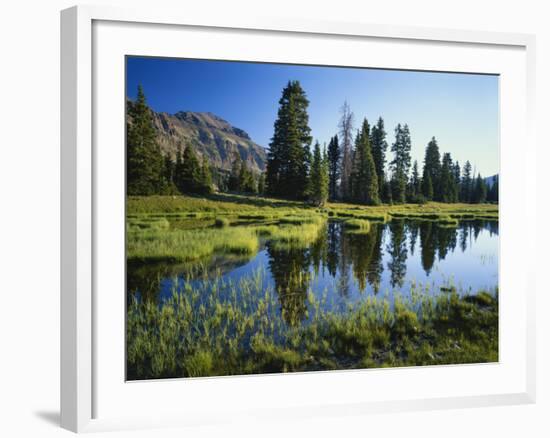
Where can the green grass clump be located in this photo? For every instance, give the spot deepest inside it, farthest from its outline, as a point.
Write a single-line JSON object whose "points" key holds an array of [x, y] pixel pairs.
{"points": [[440, 217], [375, 216], [296, 236], [187, 245], [447, 220], [462, 215], [148, 223], [416, 215], [301, 220], [254, 216], [357, 225]]}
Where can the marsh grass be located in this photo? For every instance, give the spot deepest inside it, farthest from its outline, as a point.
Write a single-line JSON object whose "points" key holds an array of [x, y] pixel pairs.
{"points": [[362, 214], [292, 236], [301, 220], [187, 245], [148, 223], [357, 225], [216, 327], [182, 244], [182, 228], [222, 328]]}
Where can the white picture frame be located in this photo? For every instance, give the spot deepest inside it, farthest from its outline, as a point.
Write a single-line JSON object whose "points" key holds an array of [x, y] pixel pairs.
{"points": [[81, 339]]}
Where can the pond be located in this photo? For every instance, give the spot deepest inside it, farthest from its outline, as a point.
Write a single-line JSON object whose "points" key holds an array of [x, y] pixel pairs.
{"points": [[342, 268]]}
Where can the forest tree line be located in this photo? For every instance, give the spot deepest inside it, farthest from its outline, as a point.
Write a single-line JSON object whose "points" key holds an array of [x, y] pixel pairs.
{"points": [[352, 168]]}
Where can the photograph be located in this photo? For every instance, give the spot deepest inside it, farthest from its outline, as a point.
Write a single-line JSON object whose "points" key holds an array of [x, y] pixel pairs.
{"points": [[294, 218]]}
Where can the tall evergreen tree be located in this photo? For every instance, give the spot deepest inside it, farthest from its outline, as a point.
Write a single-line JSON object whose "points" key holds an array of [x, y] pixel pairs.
{"points": [[289, 156], [144, 161], [466, 183], [346, 133], [379, 147], [432, 171], [318, 184], [241, 178], [364, 181], [191, 173], [387, 192], [205, 181], [261, 184], [447, 186], [427, 187], [334, 157], [457, 176], [178, 171], [401, 163], [234, 182], [480, 190], [415, 186], [168, 175]]}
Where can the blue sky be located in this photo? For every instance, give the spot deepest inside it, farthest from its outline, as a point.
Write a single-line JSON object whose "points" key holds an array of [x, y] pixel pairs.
{"points": [[460, 110]]}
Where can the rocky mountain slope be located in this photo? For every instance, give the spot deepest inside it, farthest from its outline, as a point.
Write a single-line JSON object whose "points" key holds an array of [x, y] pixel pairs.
{"points": [[207, 134]]}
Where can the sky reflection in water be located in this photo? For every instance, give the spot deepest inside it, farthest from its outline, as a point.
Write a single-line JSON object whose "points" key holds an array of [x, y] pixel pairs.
{"points": [[346, 268]]}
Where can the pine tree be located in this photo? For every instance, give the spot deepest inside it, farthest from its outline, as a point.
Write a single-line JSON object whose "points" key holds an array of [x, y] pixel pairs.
{"points": [[178, 171], [334, 157], [318, 184], [387, 192], [427, 187], [346, 133], [168, 176], [205, 182], [364, 181], [415, 186], [466, 183], [448, 189], [432, 171], [145, 164], [325, 175], [457, 173], [480, 190], [379, 147], [261, 184], [289, 157], [247, 182], [191, 172], [401, 163], [234, 182]]}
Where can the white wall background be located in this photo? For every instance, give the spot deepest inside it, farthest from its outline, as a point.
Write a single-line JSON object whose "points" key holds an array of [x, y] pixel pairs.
{"points": [[29, 216]]}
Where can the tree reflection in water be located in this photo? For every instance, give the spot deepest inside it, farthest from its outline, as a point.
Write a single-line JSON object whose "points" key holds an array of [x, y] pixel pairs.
{"points": [[354, 261]]}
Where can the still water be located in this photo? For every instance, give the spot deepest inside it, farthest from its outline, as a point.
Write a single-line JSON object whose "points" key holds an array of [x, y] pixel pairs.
{"points": [[343, 268]]}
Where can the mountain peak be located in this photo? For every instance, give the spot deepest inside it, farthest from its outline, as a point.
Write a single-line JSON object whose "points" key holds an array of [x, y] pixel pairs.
{"points": [[211, 121], [210, 135]]}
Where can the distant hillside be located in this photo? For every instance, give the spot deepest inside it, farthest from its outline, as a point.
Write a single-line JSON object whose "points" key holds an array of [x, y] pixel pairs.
{"points": [[207, 134]]}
